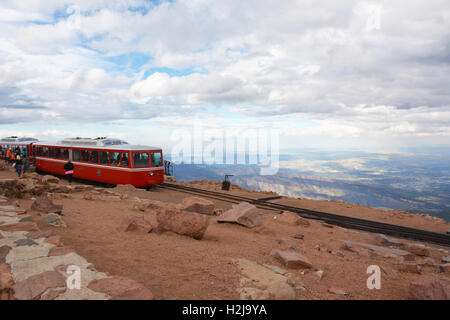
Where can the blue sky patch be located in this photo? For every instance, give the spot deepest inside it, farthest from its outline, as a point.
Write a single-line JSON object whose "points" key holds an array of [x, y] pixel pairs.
{"points": [[174, 72], [132, 61]]}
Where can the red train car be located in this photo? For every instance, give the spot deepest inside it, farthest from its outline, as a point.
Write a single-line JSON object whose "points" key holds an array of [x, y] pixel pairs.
{"points": [[110, 161], [17, 144]]}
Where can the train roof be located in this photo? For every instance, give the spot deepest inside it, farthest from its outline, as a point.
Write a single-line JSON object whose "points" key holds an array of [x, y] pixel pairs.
{"points": [[18, 139], [101, 142]]}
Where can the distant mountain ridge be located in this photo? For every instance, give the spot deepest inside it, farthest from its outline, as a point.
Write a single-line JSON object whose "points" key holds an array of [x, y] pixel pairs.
{"points": [[384, 192]]}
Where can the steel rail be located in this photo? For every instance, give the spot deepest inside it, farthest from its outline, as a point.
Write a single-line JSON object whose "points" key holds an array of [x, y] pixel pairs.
{"points": [[217, 197], [330, 218]]}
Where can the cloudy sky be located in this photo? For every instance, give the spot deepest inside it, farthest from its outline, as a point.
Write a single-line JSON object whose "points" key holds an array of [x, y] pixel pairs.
{"points": [[329, 74]]}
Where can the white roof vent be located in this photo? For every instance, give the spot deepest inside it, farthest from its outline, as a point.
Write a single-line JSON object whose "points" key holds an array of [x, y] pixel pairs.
{"points": [[97, 142], [17, 139]]}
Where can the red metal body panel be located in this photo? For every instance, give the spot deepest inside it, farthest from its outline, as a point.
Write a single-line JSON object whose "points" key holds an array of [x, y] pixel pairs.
{"points": [[138, 177]]}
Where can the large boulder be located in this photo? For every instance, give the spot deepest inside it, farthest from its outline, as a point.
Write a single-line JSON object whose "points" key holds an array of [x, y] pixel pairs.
{"points": [[293, 219], [59, 188], [243, 213], [199, 205], [31, 175], [46, 205], [291, 259], [26, 185], [49, 179], [10, 188], [430, 287], [17, 188], [182, 222], [39, 189], [135, 222]]}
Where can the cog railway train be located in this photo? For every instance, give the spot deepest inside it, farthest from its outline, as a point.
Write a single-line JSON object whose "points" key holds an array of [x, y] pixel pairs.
{"points": [[106, 160]]}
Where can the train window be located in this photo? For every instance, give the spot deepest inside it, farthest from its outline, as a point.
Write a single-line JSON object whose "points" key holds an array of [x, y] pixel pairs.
{"points": [[104, 157], [65, 154], [94, 157], [156, 159], [51, 153], [45, 152], [115, 158], [85, 155], [39, 151], [125, 162], [76, 155], [141, 160], [57, 153]]}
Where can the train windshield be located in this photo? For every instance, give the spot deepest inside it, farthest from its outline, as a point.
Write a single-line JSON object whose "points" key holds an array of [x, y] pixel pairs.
{"points": [[141, 160], [156, 159]]}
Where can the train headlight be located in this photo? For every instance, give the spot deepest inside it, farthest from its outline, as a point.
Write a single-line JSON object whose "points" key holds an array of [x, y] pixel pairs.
{"points": [[151, 173]]}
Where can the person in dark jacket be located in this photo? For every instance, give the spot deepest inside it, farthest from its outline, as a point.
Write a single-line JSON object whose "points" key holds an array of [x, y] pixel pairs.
{"points": [[68, 168], [19, 165]]}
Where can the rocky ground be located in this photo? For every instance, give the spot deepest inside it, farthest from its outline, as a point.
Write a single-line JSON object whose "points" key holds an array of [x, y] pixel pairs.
{"points": [[164, 244]]}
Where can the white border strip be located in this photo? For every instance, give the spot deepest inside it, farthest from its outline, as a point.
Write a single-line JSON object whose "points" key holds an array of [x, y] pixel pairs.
{"points": [[102, 166]]}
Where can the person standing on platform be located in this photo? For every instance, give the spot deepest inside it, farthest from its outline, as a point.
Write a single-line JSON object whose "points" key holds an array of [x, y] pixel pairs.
{"points": [[68, 168], [19, 165], [8, 156]]}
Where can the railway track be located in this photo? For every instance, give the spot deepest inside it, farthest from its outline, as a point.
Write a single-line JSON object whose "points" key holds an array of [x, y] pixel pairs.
{"points": [[330, 218]]}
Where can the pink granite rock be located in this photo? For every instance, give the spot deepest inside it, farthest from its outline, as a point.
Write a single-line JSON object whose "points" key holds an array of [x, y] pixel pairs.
{"points": [[430, 287], [199, 205], [6, 278], [135, 222], [186, 223], [35, 286], [291, 259], [121, 288], [244, 214]]}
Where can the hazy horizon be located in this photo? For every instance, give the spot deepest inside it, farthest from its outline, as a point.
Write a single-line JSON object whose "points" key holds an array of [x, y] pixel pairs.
{"points": [[350, 74]]}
